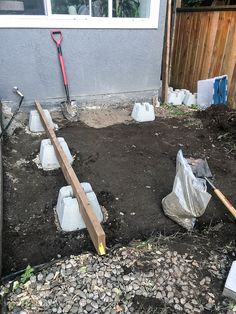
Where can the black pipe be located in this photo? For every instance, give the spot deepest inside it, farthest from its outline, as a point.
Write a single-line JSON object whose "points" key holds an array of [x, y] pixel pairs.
{"points": [[13, 116]]}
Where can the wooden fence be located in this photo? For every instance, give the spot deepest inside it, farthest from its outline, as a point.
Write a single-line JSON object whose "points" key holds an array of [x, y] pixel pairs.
{"points": [[204, 46]]}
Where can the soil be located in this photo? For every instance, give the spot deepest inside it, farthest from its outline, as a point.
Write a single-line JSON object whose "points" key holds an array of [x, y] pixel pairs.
{"points": [[130, 166]]}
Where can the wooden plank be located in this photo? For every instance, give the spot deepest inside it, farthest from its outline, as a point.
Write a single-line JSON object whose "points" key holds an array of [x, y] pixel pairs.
{"points": [[191, 53], [210, 41], [179, 50], [174, 54], [200, 51], [94, 227], [229, 57], [173, 37], [165, 76], [194, 57], [220, 45], [232, 90], [186, 51]]}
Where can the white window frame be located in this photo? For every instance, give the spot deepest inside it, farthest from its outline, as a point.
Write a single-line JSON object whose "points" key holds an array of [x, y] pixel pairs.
{"points": [[80, 21]]}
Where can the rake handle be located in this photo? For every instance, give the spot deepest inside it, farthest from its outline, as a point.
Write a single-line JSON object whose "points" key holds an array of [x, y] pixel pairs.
{"points": [[226, 202]]}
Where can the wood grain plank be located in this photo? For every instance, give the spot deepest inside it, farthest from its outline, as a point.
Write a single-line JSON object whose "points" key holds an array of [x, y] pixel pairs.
{"points": [[174, 58], [232, 90], [194, 58], [186, 50], [220, 45], [188, 66], [94, 227], [166, 55], [201, 47], [180, 50], [229, 57], [210, 42]]}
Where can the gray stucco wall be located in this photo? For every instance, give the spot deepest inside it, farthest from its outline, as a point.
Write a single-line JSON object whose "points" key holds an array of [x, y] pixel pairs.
{"points": [[100, 63]]}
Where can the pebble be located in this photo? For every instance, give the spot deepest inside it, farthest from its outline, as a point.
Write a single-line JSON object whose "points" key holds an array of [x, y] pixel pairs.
{"points": [[126, 278], [188, 306], [93, 284], [202, 282], [94, 305], [208, 306], [49, 277], [81, 294]]}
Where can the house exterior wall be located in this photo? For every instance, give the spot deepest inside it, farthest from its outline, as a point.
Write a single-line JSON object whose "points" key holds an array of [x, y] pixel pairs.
{"points": [[103, 65]]}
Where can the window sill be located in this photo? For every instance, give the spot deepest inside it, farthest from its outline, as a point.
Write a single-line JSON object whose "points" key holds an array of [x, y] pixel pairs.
{"points": [[12, 21]]}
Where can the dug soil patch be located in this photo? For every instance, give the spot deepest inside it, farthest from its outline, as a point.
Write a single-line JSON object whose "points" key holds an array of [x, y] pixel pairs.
{"points": [[131, 167]]}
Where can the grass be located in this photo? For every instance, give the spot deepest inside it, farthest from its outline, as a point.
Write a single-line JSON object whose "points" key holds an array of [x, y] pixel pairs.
{"points": [[175, 110]]}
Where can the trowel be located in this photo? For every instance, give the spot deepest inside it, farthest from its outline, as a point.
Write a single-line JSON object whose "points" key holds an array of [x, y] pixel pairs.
{"points": [[201, 169], [69, 107]]}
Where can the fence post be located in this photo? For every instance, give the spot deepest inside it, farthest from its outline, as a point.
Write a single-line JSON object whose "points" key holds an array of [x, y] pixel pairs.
{"points": [[166, 54]]}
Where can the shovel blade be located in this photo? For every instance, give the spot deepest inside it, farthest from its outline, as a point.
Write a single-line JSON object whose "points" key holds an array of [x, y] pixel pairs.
{"points": [[200, 168], [70, 110]]}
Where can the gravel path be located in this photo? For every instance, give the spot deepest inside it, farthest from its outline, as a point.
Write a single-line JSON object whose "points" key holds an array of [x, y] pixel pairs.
{"points": [[145, 277]]}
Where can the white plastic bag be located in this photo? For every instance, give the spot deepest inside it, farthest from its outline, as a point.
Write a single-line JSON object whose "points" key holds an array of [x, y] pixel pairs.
{"points": [[189, 197]]}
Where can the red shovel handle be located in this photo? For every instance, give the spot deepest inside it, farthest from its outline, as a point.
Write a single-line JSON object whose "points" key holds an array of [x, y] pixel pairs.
{"points": [[57, 37]]}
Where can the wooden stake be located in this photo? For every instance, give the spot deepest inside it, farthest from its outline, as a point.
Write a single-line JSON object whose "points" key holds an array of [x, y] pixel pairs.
{"points": [[94, 227], [166, 54]]}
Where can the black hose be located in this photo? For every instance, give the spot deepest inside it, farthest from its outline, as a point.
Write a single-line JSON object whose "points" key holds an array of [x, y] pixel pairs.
{"points": [[13, 116]]}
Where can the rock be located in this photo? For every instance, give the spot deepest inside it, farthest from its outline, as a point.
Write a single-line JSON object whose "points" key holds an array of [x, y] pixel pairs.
{"points": [[126, 278], [208, 306], [81, 294], [188, 306], [170, 295], [159, 295], [168, 288], [94, 305], [202, 282], [49, 277], [74, 309], [177, 307], [82, 302], [67, 308], [107, 275], [88, 308]]}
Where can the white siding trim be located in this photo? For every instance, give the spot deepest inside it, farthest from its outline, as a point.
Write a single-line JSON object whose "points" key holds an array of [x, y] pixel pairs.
{"points": [[70, 21]]}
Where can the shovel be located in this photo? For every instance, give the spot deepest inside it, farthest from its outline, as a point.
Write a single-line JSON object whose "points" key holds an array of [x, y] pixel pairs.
{"points": [[201, 170], [69, 107]]}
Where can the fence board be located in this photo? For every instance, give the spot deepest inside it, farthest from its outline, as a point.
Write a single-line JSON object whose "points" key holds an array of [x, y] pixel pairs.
{"points": [[204, 46]]}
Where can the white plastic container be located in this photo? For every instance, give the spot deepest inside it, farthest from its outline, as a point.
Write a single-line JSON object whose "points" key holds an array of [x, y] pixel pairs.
{"points": [[190, 99], [66, 191], [47, 155], [68, 211], [175, 98], [35, 124], [230, 285], [143, 112]]}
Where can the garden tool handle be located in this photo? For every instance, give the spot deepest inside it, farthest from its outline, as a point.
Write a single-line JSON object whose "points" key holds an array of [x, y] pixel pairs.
{"points": [[58, 41], [55, 39], [226, 202]]}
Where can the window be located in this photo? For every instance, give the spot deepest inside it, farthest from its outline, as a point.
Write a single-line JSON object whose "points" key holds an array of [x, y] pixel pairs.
{"points": [[80, 13], [26, 7]]}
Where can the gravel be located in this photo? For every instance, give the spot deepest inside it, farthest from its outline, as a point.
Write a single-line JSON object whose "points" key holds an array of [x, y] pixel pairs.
{"points": [[88, 283]]}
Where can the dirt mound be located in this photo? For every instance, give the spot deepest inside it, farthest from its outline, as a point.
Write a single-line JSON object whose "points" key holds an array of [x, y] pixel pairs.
{"points": [[220, 117]]}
